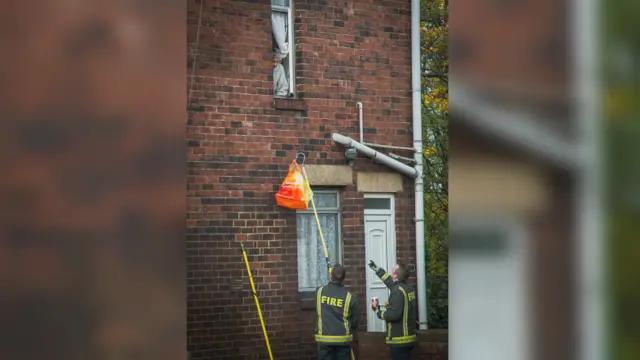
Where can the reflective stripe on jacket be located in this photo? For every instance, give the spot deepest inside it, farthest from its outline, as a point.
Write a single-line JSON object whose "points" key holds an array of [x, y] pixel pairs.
{"points": [[337, 314]]}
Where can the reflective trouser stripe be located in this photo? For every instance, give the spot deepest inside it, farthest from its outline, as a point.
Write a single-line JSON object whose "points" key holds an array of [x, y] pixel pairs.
{"points": [[402, 340], [334, 339]]}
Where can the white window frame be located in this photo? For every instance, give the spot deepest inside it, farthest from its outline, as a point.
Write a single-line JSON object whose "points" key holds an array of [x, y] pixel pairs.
{"points": [[292, 70], [392, 204], [325, 210]]}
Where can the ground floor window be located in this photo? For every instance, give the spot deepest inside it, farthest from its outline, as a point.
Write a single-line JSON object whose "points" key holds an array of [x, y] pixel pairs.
{"points": [[312, 267]]}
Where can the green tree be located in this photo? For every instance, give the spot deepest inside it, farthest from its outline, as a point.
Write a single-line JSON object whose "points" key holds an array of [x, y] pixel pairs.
{"points": [[620, 56], [435, 109]]}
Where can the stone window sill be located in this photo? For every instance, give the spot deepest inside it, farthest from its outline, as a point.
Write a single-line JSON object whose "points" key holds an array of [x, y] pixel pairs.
{"points": [[307, 300], [289, 104]]}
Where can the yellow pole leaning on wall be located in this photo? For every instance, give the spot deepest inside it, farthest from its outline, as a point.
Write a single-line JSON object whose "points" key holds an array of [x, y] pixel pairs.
{"points": [[255, 297]]}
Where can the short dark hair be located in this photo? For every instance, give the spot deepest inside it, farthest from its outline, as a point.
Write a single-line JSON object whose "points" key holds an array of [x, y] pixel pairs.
{"points": [[402, 272], [338, 273]]}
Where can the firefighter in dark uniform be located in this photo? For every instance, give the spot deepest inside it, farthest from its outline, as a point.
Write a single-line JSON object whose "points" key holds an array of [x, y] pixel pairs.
{"points": [[400, 312], [338, 313]]}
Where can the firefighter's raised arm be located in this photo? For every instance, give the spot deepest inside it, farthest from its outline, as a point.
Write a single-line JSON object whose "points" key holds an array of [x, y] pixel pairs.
{"points": [[382, 274]]}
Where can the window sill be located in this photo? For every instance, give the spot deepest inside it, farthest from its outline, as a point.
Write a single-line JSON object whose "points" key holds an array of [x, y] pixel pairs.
{"points": [[307, 304], [307, 300], [289, 104]]}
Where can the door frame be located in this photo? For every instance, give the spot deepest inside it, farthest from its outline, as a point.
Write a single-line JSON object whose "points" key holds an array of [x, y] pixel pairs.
{"points": [[391, 236], [392, 214]]}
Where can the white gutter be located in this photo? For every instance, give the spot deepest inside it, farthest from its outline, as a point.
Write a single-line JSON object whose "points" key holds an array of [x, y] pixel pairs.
{"points": [[421, 266], [590, 252], [361, 122], [374, 155]]}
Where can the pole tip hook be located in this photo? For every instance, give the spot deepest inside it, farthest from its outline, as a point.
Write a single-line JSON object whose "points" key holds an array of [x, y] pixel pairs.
{"points": [[304, 158]]}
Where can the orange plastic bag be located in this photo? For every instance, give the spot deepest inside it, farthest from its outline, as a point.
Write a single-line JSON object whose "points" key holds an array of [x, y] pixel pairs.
{"points": [[294, 190]]}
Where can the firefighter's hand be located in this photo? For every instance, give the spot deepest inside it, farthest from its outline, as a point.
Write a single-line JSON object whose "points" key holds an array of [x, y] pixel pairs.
{"points": [[373, 265]]}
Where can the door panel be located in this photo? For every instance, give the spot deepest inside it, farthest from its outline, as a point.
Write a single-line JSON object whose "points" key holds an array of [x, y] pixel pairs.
{"points": [[380, 248]]}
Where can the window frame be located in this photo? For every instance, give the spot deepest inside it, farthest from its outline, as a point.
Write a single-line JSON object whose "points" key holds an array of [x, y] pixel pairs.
{"points": [[292, 70], [310, 293]]}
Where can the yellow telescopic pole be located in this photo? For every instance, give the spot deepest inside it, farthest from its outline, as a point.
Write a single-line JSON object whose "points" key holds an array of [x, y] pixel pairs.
{"points": [[315, 212], [255, 297]]}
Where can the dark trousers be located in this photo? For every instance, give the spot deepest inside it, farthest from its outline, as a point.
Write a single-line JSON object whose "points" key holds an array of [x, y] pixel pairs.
{"points": [[334, 352], [400, 352]]}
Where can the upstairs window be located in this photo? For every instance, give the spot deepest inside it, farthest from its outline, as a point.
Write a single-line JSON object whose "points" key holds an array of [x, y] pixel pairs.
{"points": [[283, 54]]}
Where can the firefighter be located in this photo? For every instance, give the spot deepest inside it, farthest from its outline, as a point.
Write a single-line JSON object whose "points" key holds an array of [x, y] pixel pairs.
{"points": [[400, 312], [338, 313]]}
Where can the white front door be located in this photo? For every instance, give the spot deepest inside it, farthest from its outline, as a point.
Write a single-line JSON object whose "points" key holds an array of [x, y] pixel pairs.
{"points": [[380, 247]]}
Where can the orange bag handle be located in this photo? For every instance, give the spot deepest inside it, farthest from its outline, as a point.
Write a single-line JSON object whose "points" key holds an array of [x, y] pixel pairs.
{"points": [[295, 165]]}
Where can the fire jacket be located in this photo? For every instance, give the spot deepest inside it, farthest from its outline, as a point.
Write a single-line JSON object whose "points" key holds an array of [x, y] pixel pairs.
{"points": [[400, 313], [338, 314]]}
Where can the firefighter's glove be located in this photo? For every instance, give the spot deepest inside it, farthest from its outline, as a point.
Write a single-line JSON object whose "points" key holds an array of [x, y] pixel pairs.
{"points": [[373, 266], [378, 270]]}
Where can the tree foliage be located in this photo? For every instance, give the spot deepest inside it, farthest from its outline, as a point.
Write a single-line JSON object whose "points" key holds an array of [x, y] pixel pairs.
{"points": [[620, 55], [435, 109]]}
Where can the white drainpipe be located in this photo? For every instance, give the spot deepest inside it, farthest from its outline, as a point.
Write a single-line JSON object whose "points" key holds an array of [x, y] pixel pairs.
{"points": [[361, 122], [591, 254], [421, 266]]}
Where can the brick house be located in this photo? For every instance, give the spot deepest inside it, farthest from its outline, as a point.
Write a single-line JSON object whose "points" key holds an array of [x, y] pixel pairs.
{"points": [[521, 181], [266, 81]]}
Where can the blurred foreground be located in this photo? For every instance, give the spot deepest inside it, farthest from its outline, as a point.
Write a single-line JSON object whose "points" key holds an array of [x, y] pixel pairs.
{"points": [[92, 187], [92, 220], [544, 181]]}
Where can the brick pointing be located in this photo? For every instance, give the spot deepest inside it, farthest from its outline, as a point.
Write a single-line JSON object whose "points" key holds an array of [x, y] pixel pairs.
{"points": [[240, 147]]}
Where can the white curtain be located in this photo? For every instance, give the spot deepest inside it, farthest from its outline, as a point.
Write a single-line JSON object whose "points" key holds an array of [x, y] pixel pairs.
{"points": [[280, 82], [312, 267], [279, 22]]}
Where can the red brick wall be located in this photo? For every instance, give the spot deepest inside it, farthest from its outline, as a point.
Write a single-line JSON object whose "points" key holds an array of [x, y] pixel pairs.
{"points": [[511, 43], [240, 148], [432, 345]]}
